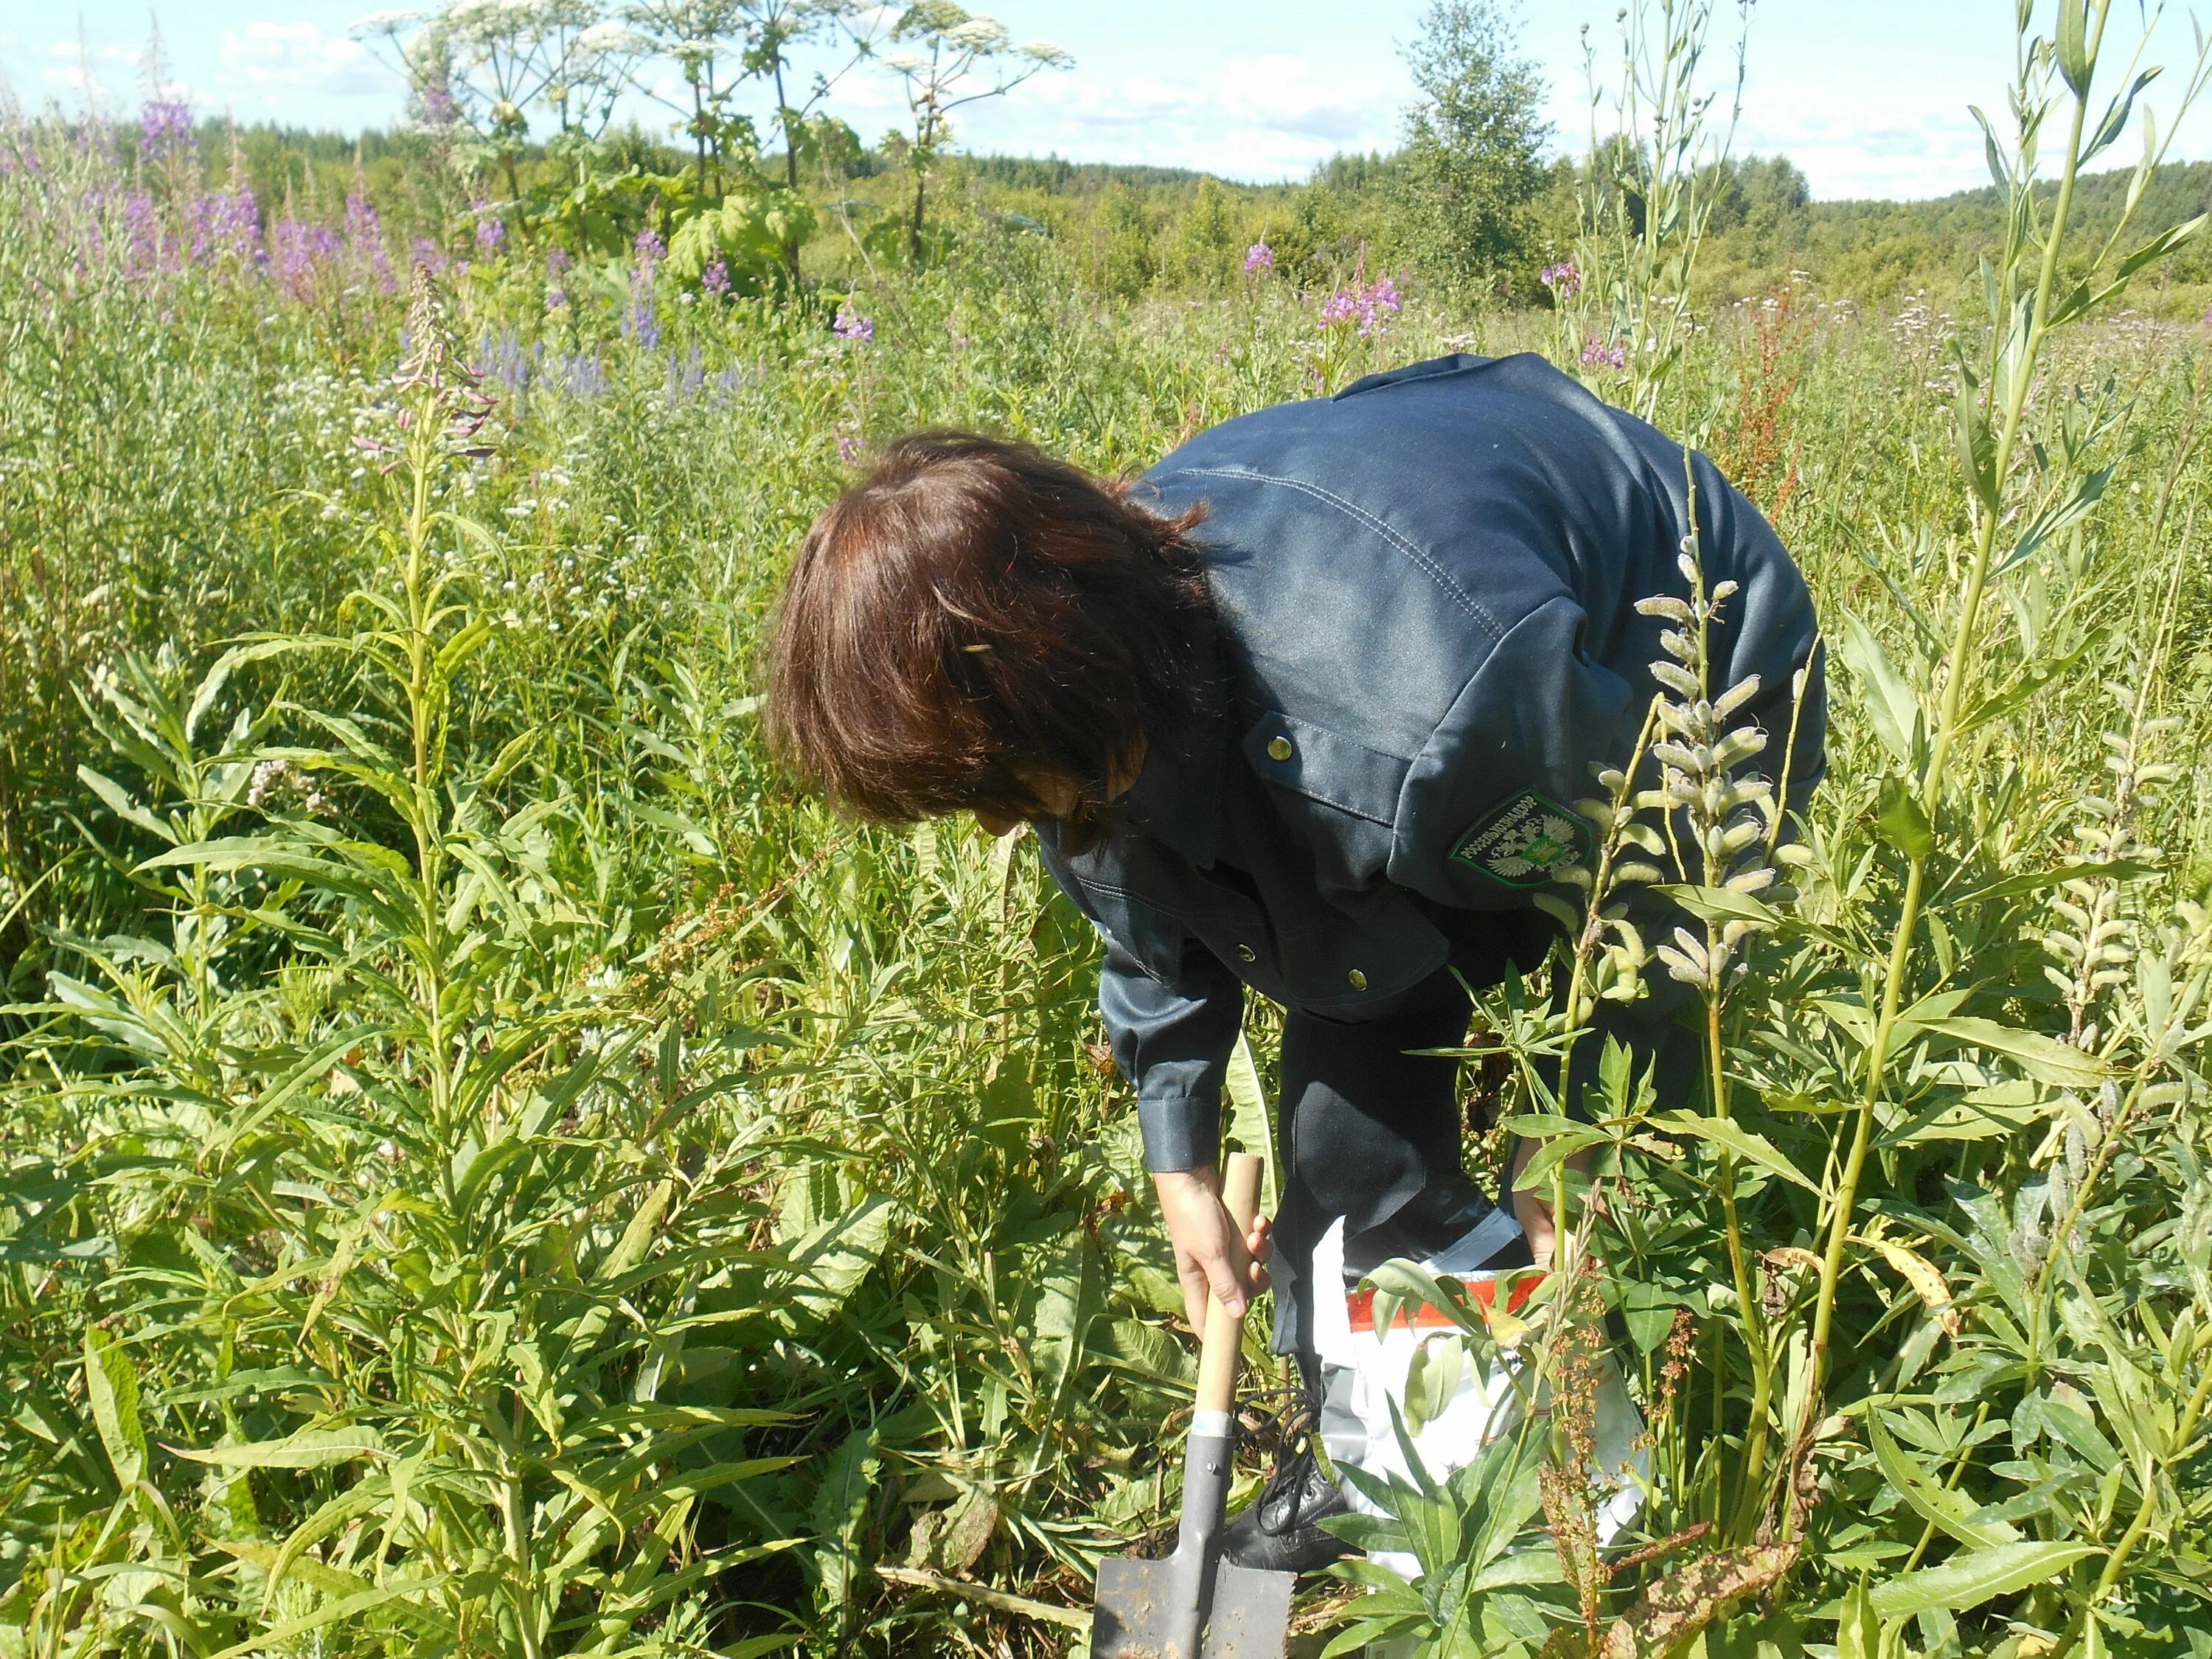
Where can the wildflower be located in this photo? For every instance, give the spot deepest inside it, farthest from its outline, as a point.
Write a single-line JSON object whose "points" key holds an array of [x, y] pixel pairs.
{"points": [[428, 253], [1562, 279], [299, 251], [491, 232], [165, 128], [643, 322], [1259, 260], [364, 234], [715, 279], [1367, 305], [434, 367], [848, 448], [851, 325], [227, 221], [278, 782], [556, 265], [142, 233], [1615, 356]]}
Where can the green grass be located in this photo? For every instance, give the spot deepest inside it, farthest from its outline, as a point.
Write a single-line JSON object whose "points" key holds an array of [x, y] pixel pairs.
{"points": [[485, 1167]]}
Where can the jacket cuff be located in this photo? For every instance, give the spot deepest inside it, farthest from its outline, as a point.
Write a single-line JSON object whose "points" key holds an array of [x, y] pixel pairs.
{"points": [[1181, 1132]]}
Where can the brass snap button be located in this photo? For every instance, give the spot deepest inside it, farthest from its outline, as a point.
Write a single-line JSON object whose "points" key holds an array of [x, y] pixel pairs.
{"points": [[1359, 980], [1279, 749]]}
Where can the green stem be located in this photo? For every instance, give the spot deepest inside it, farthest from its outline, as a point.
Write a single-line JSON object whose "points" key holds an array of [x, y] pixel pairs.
{"points": [[2184, 1434], [1959, 665], [1751, 1498]]}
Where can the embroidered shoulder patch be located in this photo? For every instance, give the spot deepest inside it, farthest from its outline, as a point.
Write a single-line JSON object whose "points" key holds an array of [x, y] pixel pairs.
{"points": [[1526, 841]]}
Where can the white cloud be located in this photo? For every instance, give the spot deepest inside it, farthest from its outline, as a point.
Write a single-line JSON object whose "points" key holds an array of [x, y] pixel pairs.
{"points": [[274, 58], [1263, 116], [1281, 92]]}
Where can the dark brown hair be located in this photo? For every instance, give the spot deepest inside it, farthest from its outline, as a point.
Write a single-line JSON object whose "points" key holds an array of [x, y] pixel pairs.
{"points": [[972, 609]]}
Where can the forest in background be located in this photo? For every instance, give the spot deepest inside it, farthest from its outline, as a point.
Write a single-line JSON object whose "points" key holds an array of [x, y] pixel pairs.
{"points": [[1131, 232]]}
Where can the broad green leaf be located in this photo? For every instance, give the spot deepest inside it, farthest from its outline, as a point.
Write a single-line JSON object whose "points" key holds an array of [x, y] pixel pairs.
{"points": [[2071, 45], [2036, 881], [2089, 295], [1249, 1121], [1977, 451], [829, 1263], [1939, 1506], [637, 1238], [1432, 1377], [1858, 1631], [111, 1388], [1893, 707], [840, 1508], [1903, 824], [2088, 490], [2045, 1059], [1973, 1576], [310, 1449], [1720, 904], [1731, 1136]]}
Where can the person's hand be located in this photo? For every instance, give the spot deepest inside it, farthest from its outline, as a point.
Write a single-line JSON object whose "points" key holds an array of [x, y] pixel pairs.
{"points": [[1209, 1256], [1533, 1209]]}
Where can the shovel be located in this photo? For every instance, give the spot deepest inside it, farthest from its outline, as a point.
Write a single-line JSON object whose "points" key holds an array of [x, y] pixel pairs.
{"points": [[1158, 1609]]}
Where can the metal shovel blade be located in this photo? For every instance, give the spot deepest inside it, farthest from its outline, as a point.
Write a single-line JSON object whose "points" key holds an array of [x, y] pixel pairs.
{"points": [[1144, 1612]]}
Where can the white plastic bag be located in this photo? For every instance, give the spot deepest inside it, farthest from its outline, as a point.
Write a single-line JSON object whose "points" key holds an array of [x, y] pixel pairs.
{"points": [[1364, 1375]]}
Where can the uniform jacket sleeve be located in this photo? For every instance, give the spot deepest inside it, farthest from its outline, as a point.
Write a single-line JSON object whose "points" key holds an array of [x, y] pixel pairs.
{"points": [[1172, 1038]]}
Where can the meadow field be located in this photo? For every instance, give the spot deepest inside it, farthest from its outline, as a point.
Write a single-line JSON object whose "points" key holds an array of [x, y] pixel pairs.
{"points": [[487, 1166]]}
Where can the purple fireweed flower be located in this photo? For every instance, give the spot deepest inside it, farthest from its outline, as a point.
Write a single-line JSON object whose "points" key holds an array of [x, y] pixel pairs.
{"points": [[715, 279], [642, 321], [849, 447], [165, 128], [141, 234], [364, 234], [227, 224], [298, 251], [1562, 279], [1367, 307], [851, 326], [1259, 260], [1382, 299], [1616, 356]]}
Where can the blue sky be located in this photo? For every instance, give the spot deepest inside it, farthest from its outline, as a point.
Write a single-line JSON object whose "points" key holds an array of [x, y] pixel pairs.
{"points": [[1868, 96]]}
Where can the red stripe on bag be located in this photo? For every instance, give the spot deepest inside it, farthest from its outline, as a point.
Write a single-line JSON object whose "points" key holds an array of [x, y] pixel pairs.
{"points": [[1360, 1305]]}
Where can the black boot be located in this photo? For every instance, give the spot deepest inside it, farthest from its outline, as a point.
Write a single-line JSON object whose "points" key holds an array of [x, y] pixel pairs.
{"points": [[1280, 1530]]}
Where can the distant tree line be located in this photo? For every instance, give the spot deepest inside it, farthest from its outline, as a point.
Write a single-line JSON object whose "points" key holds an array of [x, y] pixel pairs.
{"points": [[1466, 208]]}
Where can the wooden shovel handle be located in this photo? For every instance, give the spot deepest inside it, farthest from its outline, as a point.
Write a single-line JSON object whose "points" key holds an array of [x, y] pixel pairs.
{"points": [[1224, 1339]]}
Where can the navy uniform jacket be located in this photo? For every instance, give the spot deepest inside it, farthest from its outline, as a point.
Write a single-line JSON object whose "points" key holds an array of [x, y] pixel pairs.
{"points": [[1427, 585]]}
